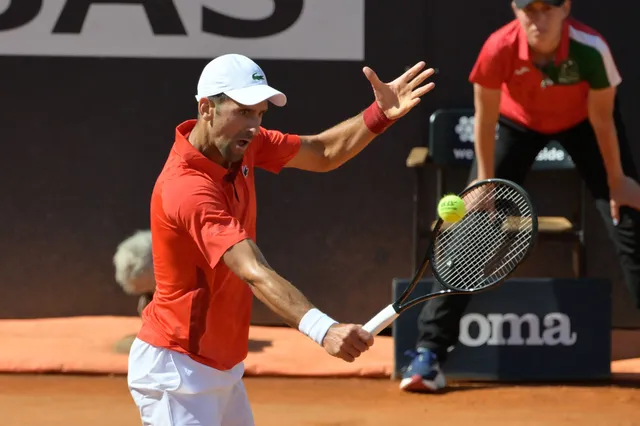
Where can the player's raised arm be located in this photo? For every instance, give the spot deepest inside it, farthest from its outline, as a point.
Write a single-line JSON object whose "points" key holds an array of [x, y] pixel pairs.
{"points": [[346, 341], [333, 147]]}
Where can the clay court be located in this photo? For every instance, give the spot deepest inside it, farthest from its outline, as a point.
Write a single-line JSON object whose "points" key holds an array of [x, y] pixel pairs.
{"points": [[64, 400], [71, 371]]}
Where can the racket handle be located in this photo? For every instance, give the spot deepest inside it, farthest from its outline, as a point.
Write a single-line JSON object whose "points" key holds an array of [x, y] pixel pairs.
{"points": [[381, 320]]}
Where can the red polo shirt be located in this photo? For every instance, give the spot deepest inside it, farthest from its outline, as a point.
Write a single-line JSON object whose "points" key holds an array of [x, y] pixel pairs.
{"points": [[200, 307], [552, 99]]}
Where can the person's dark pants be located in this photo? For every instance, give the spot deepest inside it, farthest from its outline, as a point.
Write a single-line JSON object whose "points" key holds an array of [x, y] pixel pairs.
{"points": [[516, 150]]}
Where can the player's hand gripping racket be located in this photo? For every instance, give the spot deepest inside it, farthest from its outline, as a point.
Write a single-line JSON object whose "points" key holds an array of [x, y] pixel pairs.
{"points": [[476, 253]]}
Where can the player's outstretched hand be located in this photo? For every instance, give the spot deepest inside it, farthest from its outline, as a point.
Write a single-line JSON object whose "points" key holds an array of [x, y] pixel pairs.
{"points": [[347, 341], [402, 94]]}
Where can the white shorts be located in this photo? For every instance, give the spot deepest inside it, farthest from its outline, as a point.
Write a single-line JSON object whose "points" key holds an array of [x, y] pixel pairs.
{"points": [[171, 389]]}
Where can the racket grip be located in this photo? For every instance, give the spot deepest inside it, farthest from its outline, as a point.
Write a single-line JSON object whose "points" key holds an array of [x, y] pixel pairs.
{"points": [[381, 320]]}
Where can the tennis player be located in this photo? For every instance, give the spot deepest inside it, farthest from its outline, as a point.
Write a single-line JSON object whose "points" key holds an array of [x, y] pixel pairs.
{"points": [[542, 76], [186, 365]]}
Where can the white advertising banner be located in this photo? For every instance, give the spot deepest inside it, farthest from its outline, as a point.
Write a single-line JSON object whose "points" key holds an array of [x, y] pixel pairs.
{"points": [[261, 29]]}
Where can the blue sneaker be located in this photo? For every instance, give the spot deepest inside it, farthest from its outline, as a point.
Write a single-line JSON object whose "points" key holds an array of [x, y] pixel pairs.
{"points": [[423, 374]]}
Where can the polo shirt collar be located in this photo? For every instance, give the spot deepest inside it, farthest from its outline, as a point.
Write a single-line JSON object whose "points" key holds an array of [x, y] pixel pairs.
{"points": [[563, 50], [195, 158]]}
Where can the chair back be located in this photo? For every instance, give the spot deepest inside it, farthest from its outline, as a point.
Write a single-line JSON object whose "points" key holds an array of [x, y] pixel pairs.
{"points": [[451, 139]]}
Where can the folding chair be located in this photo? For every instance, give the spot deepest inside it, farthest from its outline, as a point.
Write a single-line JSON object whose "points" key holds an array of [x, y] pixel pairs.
{"points": [[450, 146]]}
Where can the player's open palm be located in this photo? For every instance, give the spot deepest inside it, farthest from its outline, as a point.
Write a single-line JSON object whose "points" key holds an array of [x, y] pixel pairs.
{"points": [[347, 341], [402, 94], [626, 193]]}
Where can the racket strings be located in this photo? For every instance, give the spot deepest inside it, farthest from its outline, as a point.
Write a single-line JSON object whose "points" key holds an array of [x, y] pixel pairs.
{"points": [[500, 250], [488, 242]]}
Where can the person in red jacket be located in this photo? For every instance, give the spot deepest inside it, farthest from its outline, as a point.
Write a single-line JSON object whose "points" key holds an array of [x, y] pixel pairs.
{"points": [[543, 76], [186, 364]]}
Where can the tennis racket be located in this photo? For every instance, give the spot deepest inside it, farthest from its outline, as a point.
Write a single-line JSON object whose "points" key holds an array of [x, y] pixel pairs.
{"points": [[476, 253]]}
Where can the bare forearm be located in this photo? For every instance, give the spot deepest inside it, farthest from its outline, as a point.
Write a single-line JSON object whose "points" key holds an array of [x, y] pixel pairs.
{"points": [[607, 138], [248, 263], [601, 108], [344, 141], [487, 107], [485, 146], [280, 296]]}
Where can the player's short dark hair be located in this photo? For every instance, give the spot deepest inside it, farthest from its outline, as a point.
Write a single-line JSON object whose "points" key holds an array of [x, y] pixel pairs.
{"points": [[218, 99]]}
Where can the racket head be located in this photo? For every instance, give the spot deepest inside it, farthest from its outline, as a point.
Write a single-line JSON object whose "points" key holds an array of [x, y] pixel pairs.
{"points": [[493, 238]]}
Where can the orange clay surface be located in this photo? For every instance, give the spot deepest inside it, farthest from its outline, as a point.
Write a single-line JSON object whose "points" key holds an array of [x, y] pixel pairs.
{"points": [[66, 400]]}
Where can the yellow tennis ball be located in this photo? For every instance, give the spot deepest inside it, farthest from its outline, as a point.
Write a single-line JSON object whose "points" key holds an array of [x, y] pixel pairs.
{"points": [[451, 208]]}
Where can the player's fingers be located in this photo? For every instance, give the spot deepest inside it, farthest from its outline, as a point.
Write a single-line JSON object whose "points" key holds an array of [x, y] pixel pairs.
{"points": [[412, 103], [421, 91], [365, 336], [421, 78], [348, 353], [412, 72], [358, 344], [372, 77]]}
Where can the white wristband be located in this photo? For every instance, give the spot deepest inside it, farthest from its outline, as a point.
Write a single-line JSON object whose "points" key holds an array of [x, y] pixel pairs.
{"points": [[315, 324]]}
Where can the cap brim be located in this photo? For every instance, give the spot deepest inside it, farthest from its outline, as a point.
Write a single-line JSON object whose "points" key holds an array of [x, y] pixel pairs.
{"points": [[520, 4], [253, 95]]}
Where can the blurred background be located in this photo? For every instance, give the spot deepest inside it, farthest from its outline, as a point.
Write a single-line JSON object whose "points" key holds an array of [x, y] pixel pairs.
{"points": [[91, 92]]}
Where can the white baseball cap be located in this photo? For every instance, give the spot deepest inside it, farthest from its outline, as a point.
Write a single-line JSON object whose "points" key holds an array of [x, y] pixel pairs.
{"points": [[239, 78]]}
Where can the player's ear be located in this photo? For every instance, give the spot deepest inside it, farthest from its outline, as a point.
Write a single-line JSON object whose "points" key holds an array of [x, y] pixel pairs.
{"points": [[205, 109], [566, 8]]}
